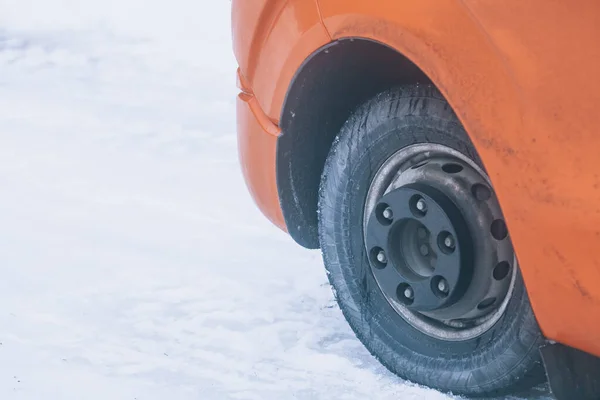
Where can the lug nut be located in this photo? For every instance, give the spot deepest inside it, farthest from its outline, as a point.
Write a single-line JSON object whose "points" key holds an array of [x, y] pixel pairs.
{"points": [[381, 257], [424, 250], [421, 205], [449, 242], [388, 213], [443, 286], [409, 293]]}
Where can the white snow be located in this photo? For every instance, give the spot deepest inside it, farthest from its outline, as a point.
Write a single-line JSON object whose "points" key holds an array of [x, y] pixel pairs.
{"points": [[133, 263]]}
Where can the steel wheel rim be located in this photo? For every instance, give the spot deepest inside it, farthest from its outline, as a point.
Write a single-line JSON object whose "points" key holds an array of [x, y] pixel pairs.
{"points": [[396, 176]]}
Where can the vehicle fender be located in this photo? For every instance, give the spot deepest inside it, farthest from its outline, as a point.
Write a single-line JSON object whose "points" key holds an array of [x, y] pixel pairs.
{"points": [[272, 38]]}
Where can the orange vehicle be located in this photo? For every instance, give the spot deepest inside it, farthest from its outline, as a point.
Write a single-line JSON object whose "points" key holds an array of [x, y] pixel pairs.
{"points": [[425, 147]]}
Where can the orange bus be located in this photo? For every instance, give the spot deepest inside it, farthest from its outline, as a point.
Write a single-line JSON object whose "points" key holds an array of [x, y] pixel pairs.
{"points": [[444, 155]]}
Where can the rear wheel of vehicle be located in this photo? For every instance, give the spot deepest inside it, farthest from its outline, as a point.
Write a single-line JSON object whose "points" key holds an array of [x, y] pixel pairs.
{"points": [[418, 252]]}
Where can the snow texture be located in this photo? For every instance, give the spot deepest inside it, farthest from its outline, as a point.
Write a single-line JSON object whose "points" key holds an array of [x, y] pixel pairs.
{"points": [[134, 264]]}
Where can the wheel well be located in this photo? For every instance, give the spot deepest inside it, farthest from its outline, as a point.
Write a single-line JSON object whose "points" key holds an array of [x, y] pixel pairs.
{"points": [[327, 88]]}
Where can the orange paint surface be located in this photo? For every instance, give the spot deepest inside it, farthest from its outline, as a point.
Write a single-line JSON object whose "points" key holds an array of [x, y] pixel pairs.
{"points": [[272, 38], [257, 143], [521, 76]]}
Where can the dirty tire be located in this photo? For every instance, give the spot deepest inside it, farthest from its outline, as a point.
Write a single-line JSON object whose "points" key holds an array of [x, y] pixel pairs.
{"points": [[503, 360]]}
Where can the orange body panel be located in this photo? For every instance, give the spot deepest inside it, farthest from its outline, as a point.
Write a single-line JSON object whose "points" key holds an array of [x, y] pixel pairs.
{"points": [[275, 37], [522, 77], [257, 143]]}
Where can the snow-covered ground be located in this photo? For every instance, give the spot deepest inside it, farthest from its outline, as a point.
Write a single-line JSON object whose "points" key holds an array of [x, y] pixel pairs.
{"points": [[133, 263]]}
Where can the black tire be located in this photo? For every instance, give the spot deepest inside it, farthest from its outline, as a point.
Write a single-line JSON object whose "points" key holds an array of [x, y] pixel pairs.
{"points": [[503, 360]]}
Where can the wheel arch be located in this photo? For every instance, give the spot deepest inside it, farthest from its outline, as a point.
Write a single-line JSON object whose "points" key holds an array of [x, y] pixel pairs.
{"points": [[321, 97], [380, 48]]}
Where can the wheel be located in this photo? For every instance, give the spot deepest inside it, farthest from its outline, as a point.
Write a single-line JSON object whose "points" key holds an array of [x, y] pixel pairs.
{"points": [[418, 253]]}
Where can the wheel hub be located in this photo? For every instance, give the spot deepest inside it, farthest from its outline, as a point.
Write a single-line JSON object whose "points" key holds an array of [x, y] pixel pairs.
{"points": [[426, 248], [437, 242]]}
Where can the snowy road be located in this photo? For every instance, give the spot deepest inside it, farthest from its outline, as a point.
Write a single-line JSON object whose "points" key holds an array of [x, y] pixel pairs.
{"points": [[133, 264]]}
